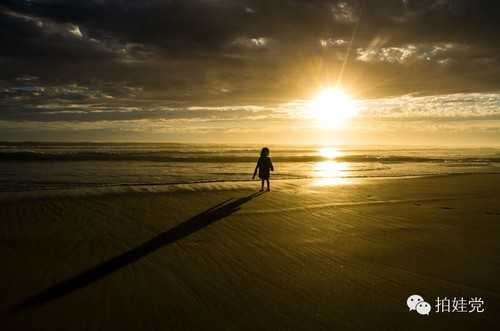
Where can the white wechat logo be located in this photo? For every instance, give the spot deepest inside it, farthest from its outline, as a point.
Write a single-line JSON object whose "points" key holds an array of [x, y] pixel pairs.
{"points": [[416, 302], [423, 308]]}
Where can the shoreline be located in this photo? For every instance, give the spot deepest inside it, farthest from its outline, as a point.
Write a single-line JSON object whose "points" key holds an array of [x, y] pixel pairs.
{"points": [[209, 185]]}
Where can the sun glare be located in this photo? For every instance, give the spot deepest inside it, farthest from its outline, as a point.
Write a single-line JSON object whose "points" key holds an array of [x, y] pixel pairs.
{"points": [[332, 108], [329, 153], [330, 173]]}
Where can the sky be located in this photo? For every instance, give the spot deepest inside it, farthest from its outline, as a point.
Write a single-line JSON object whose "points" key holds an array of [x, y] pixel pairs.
{"points": [[420, 72]]}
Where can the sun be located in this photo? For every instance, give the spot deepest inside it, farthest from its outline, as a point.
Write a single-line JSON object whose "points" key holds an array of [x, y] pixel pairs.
{"points": [[329, 153], [332, 108]]}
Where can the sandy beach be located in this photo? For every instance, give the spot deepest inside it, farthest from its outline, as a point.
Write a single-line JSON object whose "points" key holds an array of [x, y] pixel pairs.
{"points": [[135, 137], [222, 257]]}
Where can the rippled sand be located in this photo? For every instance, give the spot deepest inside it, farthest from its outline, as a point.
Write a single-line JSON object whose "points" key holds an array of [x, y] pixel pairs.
{"points": [[306, 256]]}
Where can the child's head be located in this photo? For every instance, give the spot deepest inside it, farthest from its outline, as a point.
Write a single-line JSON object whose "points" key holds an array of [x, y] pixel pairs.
{"points": [[264, 151]]}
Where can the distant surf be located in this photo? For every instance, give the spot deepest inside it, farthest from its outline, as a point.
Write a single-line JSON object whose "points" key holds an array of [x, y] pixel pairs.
{"points": [[53, 166]]}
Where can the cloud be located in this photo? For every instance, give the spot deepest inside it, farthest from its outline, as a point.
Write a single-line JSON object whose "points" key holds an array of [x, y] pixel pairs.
{"points": [[443, 108], [441, 53], [330, 42], [344, 12], [257, 43], [183, 53], [118, 111], [28, 37], [75, 30], [29, 99]]}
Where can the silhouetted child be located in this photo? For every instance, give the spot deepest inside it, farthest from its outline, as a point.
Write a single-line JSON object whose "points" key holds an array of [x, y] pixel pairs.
{"points": [[265, 166]]}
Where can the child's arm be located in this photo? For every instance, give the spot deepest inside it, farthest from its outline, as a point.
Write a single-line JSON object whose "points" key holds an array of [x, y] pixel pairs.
{"points": [[271, 164], [256, 167]]}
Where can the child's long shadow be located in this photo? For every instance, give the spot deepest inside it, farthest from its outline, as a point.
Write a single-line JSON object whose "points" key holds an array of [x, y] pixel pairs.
{"points": [[92, 275]]}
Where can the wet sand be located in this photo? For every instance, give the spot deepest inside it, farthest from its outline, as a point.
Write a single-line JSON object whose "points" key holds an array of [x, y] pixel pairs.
{"points": [[221, 257]]}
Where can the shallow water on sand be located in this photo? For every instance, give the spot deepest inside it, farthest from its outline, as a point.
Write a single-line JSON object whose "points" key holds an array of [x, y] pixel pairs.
{"points": [[53, 166]]}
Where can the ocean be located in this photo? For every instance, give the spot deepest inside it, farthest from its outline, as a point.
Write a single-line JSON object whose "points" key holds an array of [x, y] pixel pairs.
{"points": [[56, 166]]}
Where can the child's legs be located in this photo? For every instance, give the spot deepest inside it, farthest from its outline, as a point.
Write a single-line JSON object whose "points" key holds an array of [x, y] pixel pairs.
{"points": [[268, 184], [262, 184]]}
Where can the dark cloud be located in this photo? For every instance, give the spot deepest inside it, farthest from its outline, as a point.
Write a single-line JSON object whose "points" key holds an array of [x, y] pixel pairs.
{"points": [[235, 51]]}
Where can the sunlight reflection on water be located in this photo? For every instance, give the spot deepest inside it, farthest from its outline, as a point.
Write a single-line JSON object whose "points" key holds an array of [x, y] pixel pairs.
{"points": [[330, 172]]}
